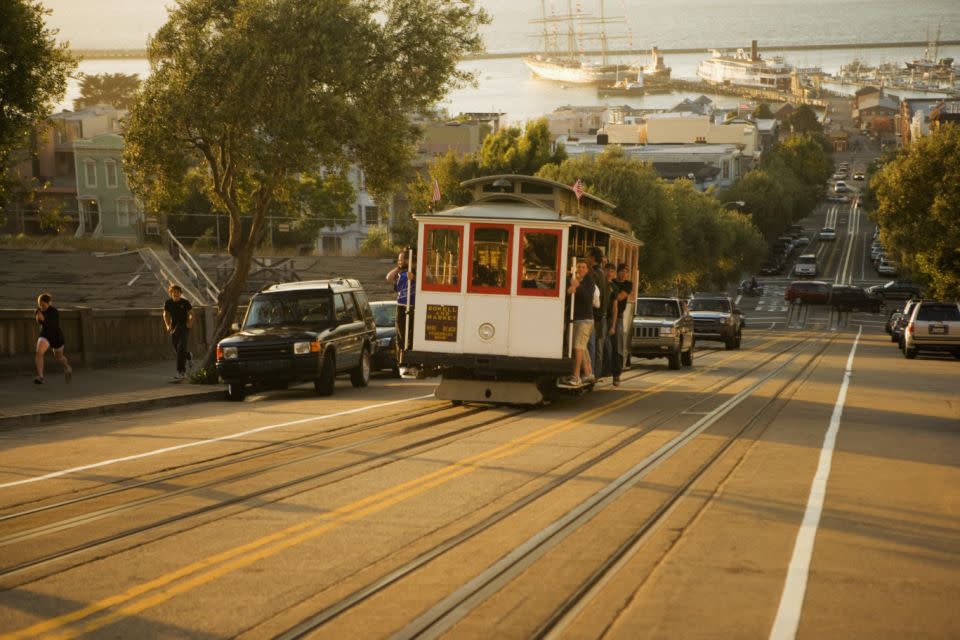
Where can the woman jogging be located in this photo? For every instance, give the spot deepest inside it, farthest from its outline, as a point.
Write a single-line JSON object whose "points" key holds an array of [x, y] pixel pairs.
{"points": [[51, 336]]}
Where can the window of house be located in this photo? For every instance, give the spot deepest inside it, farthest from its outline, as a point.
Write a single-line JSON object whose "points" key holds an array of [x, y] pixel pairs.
{"points": [[90, 173], [124, 211], [371, 214], [490, 249], [442, 257], [111, 170], [539, 274]]}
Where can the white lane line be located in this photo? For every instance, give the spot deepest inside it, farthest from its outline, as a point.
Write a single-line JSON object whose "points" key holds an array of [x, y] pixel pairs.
{"points": [[196, 443], [791, 600], [737, 301]]}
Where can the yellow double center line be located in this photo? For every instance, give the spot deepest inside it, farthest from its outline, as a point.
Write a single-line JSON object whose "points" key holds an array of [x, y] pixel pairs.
{"points": [[161, 589]]}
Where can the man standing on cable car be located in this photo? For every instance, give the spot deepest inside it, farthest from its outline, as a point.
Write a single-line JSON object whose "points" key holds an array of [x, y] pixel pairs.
{"points": [[597, 338], [582, 287]]}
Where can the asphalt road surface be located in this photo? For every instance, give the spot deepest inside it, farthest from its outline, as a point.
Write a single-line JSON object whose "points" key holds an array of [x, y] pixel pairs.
{"points": [[802, 486]]}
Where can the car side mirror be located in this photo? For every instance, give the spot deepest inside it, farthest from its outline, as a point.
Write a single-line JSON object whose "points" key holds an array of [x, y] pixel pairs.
{"points": [[235, 326]]}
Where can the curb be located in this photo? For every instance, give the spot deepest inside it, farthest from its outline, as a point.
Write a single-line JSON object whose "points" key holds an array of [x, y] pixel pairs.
{"points": [[12, 422]]}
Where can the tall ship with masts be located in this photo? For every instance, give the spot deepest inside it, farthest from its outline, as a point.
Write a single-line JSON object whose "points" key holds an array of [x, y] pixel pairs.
{"points": [[565, 56]]}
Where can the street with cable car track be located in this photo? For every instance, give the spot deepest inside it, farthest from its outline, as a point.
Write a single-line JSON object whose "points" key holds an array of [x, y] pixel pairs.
{"points": [[794, 487]]}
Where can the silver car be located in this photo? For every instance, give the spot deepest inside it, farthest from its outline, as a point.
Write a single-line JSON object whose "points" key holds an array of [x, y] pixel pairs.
{"points": [[662, 328]]}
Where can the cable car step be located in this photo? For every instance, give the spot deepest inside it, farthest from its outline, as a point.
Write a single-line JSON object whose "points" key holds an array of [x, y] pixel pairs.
{"points": [[488, 391]]}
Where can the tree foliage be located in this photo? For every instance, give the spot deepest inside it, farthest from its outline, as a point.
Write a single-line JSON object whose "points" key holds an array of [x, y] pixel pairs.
{"points": [[511, 150], [763, 110], [265, 93], [33, 76], [115, 89], [804, 120], [918, 209]]}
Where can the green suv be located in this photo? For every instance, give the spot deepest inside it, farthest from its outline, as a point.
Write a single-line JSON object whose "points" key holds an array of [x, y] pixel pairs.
{"points": [[300, 332]]}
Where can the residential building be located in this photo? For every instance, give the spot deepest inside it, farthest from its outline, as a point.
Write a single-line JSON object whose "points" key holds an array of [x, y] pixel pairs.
{"points": [[574, 122], [875, 111], [948, 111], [106, 206], [914, 118]]}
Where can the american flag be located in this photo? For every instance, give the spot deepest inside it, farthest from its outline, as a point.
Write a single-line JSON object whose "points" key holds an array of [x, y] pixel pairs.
{"points": [[578, 189], [436, 191]]}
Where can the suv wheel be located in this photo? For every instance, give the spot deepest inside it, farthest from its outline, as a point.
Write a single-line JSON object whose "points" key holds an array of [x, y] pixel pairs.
{"points": [[324, 384], [686, 357], [739, 338], [674, 359], [236, 392], [360, 377], [730, 343]]}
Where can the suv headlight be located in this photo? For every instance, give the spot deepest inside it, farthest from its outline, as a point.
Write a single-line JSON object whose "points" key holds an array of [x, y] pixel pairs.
{"points": [[666, 331], [227, 353], [301, 348], [383, 343]]}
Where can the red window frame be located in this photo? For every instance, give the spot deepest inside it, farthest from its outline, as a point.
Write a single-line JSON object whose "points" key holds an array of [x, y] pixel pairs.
{"points": [[547, 293], [505, 290], [424, 286]]}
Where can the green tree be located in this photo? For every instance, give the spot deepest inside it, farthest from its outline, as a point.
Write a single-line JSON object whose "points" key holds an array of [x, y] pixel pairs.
{"points": [[33, 78], [115, 89], [762, 110], [770, 206], [918, 209], [512, 151], [264, 92], [804, 120]]}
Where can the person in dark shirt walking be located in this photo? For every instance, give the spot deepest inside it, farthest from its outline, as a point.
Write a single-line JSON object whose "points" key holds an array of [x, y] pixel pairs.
{"points": [[582, 288], [51, 336], [178, 318]]}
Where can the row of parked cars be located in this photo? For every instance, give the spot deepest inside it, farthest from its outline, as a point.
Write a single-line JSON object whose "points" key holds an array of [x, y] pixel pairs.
{"points": [[926, 325], [668, 327], [783, 248]]}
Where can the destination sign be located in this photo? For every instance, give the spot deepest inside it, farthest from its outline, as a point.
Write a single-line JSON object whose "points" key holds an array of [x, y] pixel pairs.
{"points": [[441, 323]]}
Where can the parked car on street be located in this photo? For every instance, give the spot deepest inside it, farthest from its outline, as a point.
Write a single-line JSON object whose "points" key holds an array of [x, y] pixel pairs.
{"points": [[896, 329], [806, 266], [385, 317], [828, 233], [662, 328], [933, 326], [716, 317], [853, 298], [300, 332], [887, 268], [807, 292], [771, 268]]}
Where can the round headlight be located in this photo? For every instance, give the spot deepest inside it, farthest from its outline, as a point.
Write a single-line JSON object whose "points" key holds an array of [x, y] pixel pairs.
{"points": [[486, 331]]}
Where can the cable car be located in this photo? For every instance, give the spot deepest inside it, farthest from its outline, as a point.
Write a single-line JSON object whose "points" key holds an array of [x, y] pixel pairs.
{"points": [[491, 313]]}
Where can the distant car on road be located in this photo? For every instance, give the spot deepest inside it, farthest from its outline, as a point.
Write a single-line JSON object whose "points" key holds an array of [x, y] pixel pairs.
{"points": [[807, 292], [806, 266], [887, 268], [828, 233], [716, 317], [896, 290], [858, 176], [771, 268], [853, 298]]}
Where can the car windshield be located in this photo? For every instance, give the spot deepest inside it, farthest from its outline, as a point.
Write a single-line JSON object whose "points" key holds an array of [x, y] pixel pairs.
{"points": [[710, 305], [807, 260], [657, 309], [384, 315], [289, 308]]}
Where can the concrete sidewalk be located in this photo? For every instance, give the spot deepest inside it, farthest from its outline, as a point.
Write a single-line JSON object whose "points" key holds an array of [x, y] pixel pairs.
{"points": [[94, 392]]}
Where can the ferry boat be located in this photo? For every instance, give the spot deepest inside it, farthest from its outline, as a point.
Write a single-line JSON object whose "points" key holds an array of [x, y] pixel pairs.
{"points": [[746, 70]]}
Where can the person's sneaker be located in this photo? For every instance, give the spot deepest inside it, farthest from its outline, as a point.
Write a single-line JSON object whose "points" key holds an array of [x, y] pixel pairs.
{"points": [[38, 380], [178, 378], [616, 382], [589, 379], [570, 381], [189, 362]]}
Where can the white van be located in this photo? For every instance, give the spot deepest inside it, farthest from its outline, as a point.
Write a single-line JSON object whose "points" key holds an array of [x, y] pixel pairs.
{"points": [[841, 186], [806, 266]]}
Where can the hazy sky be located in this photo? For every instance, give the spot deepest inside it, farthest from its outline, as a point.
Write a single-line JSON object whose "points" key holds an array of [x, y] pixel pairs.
{"points": [[122, 24]]}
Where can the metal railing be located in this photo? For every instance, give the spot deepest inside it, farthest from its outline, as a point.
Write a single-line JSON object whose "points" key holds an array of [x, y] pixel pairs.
{"points": [[203, 282]]}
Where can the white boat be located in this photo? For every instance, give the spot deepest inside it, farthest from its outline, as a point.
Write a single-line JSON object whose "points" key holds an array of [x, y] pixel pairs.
{"points": [[746, 70], [566, 62]]}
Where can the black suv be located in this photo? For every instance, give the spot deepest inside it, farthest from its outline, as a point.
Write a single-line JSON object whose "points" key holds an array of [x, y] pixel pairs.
{"points": [[300, 332], [716, 317]]}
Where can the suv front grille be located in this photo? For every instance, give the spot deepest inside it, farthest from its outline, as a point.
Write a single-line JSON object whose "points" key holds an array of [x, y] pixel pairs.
{"points": [[646, 332], [265, 351], [705, 324]]}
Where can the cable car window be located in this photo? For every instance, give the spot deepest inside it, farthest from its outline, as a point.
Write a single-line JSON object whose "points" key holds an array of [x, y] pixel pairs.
{"points": [[490, 247], [441, 260], [540, 262]]}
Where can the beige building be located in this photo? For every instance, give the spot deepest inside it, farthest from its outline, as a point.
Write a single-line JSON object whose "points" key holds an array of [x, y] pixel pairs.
{"points": [[686, 128]]}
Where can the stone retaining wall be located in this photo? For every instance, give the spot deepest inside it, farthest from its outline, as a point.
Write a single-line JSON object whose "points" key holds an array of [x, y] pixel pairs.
{"points": [[98, 337]]}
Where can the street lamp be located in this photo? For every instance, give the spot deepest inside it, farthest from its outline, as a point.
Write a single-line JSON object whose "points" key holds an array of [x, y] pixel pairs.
{"points": [[739, 203]]}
